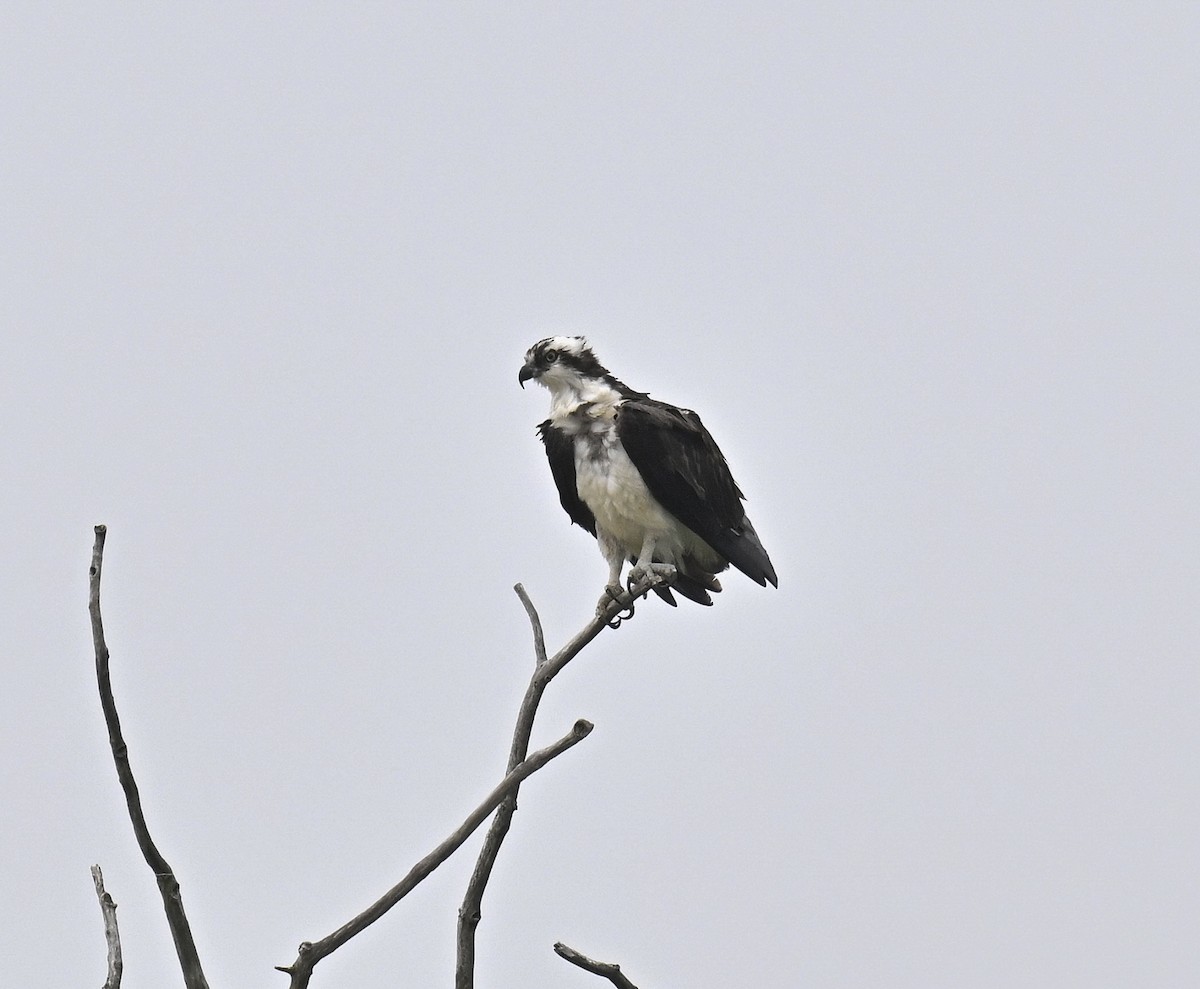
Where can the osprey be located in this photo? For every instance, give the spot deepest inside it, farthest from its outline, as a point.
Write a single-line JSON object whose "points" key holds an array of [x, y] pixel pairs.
{"points": [[644, 477]]}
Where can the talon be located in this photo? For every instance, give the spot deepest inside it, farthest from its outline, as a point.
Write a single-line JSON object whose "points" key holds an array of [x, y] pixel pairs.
{"points": [[617, 619], [639, 573], [613, 593], [629, 586]]}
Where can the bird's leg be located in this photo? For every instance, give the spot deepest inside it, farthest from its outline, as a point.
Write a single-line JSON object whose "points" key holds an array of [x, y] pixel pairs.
{"points": [[645, 558], [645, 563], [615, 556]]}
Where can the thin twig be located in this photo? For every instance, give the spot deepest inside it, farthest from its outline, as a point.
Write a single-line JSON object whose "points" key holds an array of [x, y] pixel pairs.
{"points": [[608, 970], [112, 937], [470, 913], [168, 887], [312, 952]]}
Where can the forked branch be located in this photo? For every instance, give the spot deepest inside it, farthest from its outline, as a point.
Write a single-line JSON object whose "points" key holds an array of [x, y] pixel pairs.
{"points": [[502, 801], [312, 952], [470, 913], [168, 887]]}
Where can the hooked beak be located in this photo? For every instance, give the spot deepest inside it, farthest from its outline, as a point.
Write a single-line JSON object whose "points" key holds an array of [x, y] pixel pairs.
{"points": [[527, 371]]}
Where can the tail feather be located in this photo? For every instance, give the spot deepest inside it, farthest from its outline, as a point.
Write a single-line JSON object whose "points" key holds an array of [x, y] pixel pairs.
{"points": [[690, 581], [666, 595], [742, 547], [695, 589]]}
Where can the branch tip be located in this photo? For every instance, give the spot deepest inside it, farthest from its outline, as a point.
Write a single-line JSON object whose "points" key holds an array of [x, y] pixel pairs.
{"points": [[112, 936], [539, 639], [607, 970]]}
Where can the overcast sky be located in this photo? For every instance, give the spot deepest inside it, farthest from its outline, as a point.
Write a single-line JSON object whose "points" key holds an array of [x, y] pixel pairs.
{"points": [[928, 271]]}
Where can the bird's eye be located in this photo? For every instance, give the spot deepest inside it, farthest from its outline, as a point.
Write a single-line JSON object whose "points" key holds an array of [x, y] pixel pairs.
{"points": [[551, 356]]}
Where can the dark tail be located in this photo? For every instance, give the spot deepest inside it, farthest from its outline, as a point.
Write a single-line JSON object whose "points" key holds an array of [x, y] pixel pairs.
{"points": [[742, 547]]}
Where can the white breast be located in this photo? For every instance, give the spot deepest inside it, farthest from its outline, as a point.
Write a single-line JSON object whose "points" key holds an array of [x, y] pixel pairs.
{"points": [[613, 489]]}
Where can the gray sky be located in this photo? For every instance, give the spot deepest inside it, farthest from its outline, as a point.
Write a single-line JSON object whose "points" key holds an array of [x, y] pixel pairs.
{"points": [[929, 272]]}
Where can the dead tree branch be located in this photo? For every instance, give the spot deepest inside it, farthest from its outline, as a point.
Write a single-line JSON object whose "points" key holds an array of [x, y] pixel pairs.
{"points": [[539, 639], [168, 887], [312, 952], [502, 801], [470, 913], [112, 937], [608, 970]]}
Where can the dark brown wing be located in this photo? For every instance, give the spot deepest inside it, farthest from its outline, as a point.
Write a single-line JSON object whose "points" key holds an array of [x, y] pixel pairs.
{"points": [[686, 472], [560, 451]]}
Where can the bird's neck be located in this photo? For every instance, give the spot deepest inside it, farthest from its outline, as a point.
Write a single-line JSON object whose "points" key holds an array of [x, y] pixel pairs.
{"points": [[570, 395]]}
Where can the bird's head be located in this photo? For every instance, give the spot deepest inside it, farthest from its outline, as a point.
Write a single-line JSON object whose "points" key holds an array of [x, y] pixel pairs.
{"points": [[561, 364]]}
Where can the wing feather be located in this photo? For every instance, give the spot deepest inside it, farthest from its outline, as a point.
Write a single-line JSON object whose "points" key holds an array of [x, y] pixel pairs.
{"points": [[681, 465], [686, 472], [560, 451]]}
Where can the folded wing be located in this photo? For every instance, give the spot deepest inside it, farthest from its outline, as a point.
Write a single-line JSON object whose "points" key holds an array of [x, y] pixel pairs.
{"points": [[686, 472]]}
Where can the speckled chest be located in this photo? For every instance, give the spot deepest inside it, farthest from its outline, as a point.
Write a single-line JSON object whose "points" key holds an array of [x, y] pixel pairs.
{"points": [[606, 479]]}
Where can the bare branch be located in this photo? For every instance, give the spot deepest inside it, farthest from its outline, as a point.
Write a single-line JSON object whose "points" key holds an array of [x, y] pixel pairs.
{"points": [[168, 887], [112, 937], [608, 970], [539, 640], [312, 952], [470, 913]]}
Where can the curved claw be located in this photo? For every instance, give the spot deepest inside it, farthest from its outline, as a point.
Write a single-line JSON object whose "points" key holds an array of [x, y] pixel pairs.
{"points": [[614, 594], [618, 618], [629, 584], [640, 572]]}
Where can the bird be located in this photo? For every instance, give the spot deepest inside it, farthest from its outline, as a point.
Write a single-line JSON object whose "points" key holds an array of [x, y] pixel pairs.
{"points": [[642, 476]]}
